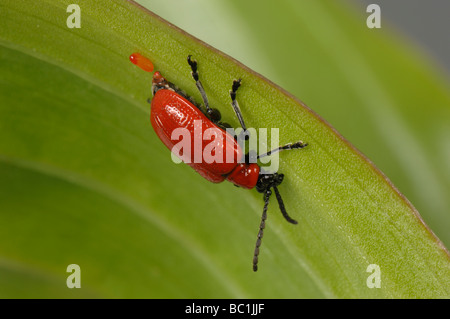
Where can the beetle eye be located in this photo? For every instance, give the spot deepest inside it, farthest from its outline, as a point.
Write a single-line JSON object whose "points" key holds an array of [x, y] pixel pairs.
{"points": [[214, 115]]}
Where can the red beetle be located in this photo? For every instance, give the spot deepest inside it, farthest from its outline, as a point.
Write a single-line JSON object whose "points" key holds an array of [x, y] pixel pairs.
{"points": [[172, 109]]}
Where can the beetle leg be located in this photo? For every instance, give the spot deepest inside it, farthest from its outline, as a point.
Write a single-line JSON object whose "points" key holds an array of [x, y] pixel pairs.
{"points": [[236, 108], [213, 114], [282, 208], [289, 146]]}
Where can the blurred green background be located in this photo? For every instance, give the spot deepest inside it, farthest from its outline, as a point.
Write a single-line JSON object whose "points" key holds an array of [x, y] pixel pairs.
{"points": [[77, 156]]}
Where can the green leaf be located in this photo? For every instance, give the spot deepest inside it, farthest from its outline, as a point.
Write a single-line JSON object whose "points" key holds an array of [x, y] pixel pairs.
{"points": [[84, 179]]}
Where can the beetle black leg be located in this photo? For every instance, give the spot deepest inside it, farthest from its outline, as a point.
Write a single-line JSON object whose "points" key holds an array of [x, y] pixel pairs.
{"points": [[290, 146], [262, 225], [235, 105], [282, 208], [213, 114]]}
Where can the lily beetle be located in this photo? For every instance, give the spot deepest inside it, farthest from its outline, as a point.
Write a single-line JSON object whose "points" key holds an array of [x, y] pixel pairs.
{"points": [[171, 109]]}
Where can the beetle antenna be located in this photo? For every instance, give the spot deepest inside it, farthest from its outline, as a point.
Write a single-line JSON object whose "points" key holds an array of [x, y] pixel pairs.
{"points": [[262, 225], [282, 208]]}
